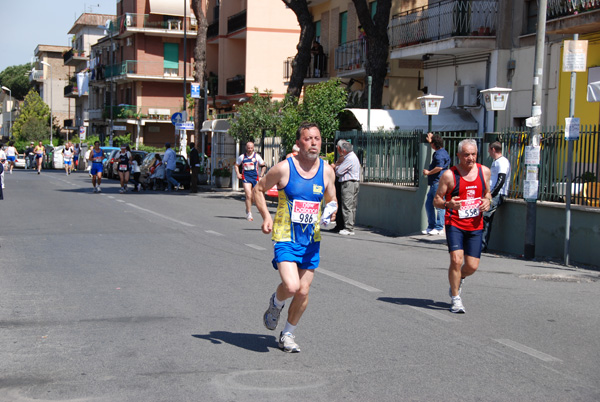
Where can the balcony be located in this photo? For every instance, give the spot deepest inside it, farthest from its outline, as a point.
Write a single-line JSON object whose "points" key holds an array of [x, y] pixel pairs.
{"points": [[569, 17], [36, 75], [71, 91], [133, 70], [456, 21], [212, 30], [155, 25], [317, 68], [96, 114], [350, 59], [236, 85], [133, 112], [236, 22], [73, 57]]}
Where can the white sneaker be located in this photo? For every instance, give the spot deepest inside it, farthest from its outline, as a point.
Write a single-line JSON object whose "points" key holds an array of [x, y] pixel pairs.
{"points": [[249, 217], [345, 232], [287, 343], [95, 190], [426, 231], [434, 232], [99, 190], [457, 306]]}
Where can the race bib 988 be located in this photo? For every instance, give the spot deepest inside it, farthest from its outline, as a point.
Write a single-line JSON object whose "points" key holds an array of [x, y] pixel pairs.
{"points": [[305, 212]]}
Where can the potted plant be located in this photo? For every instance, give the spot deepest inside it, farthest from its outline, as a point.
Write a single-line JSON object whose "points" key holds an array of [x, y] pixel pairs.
{"points": [[202, 175], [222, 176]]}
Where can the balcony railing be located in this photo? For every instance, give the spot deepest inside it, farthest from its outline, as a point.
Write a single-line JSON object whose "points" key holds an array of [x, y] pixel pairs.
{"points": [[153, 21], [351, 55], [73, 55], [236, 85], [71, 91], [141, 112], [444, 20], [146, 69], [36, 75], [236, 22], [561, 8], [316, 69], [212, 30]]}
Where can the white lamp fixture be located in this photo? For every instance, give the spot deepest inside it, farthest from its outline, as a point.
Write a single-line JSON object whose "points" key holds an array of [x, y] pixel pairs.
{"points": [[430, 104], [495, 98]]}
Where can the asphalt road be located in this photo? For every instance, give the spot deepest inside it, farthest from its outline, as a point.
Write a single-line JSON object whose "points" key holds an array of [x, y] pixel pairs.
{"points": [[159, 297]]}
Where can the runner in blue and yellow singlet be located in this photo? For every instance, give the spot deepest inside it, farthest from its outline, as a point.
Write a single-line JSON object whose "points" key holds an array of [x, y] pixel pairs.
{"points": [[305, 183], [96, 157]]}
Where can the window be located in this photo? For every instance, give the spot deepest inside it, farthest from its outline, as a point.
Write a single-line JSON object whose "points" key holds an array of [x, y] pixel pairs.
{"points": [[343, 27], [171, 61], [531, 16], [318, 31]]}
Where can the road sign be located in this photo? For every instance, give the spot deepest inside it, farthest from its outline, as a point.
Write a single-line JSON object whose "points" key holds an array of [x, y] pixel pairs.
{"points": [[188, 125], [195, 90], [119, 128], [177, 118], [82, 132]]}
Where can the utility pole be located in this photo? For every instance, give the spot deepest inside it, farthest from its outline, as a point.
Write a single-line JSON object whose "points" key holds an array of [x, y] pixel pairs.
{"points": [[535, 122]]}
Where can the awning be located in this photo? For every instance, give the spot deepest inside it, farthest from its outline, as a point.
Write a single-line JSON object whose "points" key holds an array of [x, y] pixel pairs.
{"points": [[593, 92], [170, 7], [449, 119]]}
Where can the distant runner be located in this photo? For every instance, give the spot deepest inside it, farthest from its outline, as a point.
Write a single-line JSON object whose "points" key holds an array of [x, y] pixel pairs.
{"points": [[96, 157], [250, 162]]}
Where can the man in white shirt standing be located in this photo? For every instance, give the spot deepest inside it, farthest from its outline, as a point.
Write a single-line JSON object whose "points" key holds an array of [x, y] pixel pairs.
{"points": [[347, 169], [500, 177]]}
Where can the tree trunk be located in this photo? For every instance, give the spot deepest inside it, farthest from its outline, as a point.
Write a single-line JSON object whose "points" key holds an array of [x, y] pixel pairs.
{"points": [[200, 65], [378, 47], [302, 59]]}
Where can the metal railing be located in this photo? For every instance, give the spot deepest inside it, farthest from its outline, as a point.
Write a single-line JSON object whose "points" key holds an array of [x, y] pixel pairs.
{"points": [[236, 22], [585, 169], [444, 20], [146, 68], [351, 55], [235, 85], [561, 8], [316, 69], [154, 21]]}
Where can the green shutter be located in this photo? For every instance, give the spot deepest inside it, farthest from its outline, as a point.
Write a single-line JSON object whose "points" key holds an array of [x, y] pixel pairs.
{"points": [[343, 27], [318, 31], [171, 55]]}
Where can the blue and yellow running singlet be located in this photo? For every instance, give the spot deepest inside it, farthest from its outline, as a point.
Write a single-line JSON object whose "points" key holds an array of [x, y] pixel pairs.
{"points": [[299, 208]]}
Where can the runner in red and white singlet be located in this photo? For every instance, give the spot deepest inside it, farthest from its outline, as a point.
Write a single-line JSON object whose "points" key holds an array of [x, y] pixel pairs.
{"points": [[465, 194]]}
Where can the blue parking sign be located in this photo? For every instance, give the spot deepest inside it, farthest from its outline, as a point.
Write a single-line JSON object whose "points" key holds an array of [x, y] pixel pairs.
{"points": [[195, 90]]}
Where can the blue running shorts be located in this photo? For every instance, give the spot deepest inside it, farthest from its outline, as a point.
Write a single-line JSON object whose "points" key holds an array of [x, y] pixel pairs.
{"points": [[11, 158], [467, 240], [96, 168], [306, 257], [250, 180], [67, 163]]}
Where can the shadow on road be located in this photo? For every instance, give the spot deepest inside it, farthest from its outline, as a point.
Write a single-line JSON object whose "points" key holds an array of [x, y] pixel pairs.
{"points": [[421, 303], [252, 342]]}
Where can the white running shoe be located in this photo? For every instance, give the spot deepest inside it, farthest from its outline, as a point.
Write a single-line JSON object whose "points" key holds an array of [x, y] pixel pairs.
{"points": [[457, 306], [95, 191], [434, 232], [426, 231], [99, 190], [249, 217], [346, 232], [271, 317], [287, 343]]}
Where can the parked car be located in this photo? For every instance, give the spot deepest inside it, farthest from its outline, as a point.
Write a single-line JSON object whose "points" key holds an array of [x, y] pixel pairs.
{"points": [[20, 161], [113, 168], [108, 162], [182, 171], [107, 151]]}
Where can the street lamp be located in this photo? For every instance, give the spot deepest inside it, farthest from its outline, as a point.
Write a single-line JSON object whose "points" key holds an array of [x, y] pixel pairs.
{"points": [[48, 64], [430, 105], [9, 111], [495, 99]]}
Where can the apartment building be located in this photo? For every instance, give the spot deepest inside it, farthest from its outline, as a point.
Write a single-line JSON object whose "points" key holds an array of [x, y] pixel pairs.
{"points": [[9, 107], [468, 46], [138, 70], [246, 42], [49, 77], [337, 30], [86, 31]]}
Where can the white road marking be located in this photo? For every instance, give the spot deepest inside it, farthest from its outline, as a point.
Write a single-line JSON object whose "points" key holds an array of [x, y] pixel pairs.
{"points": [[160, 215], [254, 246], [109, 196], [348, 280], [435, 314], [527, 350], [214, 233], [119, 201]]}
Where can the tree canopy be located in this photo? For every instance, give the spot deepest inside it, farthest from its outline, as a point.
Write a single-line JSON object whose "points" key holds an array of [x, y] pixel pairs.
{"points": [[34, 119], [17, 79]]}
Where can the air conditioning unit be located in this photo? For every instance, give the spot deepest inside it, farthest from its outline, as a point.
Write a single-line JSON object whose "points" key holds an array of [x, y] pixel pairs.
{"points": [[466, 96], [128, 20]]}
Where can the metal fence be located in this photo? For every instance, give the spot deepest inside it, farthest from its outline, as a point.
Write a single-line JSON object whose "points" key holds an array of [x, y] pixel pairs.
{"points": [[392, 157]]}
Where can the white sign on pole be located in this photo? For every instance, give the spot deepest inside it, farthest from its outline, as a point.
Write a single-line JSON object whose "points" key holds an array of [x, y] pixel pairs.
{"points": [[530, 189], [82, 132], [532, 173], [188, 125], [119, 128], [571, 128], [195, 90], [575, 56], [532, 155]]}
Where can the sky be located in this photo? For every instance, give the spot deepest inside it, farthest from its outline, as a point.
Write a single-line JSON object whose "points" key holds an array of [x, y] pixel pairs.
{"points": [[26, 24]]}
